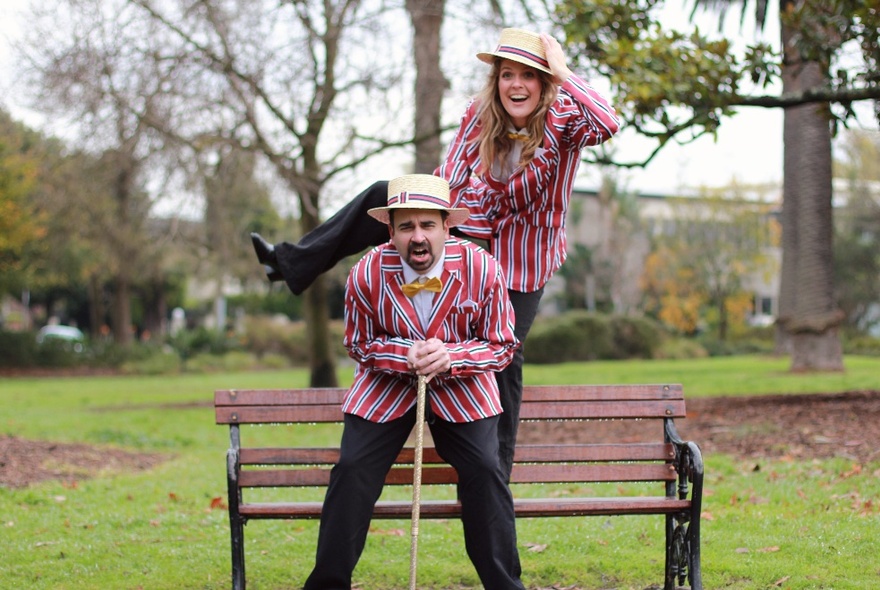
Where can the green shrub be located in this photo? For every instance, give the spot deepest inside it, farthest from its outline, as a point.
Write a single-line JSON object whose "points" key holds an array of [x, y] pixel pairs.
{"points": [[215, 363], [18, 349], [274, 361], [634, 337], [265, 335], [571, 336], [734, 347], [584, 336], [155, 362], [21, 350], [189, 343], [862, 345], [679, 348], [106, 353]]}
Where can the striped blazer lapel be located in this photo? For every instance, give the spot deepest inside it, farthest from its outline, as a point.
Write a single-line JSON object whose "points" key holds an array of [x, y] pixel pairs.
{"points": [[400, 307], [452, 286]]}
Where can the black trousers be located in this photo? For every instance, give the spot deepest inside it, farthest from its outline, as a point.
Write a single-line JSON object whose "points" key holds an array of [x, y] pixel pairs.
{"points": [[351, 231], [367, 452], [510, 380], [348, 232]]}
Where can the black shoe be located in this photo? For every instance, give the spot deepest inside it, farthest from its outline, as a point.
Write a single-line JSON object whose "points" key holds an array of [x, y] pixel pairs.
{"points": [[266, 255]]}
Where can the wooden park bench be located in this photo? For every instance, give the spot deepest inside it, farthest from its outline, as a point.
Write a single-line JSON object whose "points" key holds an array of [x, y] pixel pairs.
{"points": [[649, 451]]}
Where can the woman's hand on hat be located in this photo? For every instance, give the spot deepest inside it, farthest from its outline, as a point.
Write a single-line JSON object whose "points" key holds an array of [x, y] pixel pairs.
{"points": [[555, 59]]}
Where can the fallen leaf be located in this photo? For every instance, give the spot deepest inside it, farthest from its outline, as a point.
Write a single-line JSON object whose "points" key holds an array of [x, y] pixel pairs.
{"points": [[772, 549], [217, 503], [742, 549], [172, 496], [392, 532], [707, 516], [781, 581], [536, 547]]}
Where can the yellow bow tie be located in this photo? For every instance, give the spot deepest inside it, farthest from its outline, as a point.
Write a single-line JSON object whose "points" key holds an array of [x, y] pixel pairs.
{"points": [[433, 284], [518, 136]]}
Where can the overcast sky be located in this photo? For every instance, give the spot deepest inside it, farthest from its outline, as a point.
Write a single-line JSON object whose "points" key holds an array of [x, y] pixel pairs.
{"points": [[748, 147]]}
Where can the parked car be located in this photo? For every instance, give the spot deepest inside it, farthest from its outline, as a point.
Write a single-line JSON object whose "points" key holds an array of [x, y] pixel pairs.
{"points": [[68, 335]]}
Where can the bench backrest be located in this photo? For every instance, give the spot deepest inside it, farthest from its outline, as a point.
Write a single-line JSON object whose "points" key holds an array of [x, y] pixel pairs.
{"points": [[621, 460]]}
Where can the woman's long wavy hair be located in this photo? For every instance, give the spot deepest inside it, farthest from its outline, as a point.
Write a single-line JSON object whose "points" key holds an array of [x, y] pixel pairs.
{"points": [[495, 122]]}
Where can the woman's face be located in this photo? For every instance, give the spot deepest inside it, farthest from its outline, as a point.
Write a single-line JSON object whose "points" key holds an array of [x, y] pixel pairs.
{"points": [[519, 87]]}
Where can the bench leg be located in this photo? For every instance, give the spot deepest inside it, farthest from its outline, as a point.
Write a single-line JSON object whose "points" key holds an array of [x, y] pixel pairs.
{"points": [[695, 575], [682, 553], [236, 521], [236, 527]]}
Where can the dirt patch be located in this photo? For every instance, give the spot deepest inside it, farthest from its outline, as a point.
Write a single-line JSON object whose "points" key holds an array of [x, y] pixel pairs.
{"points": [[796, 426], [25, 462]]}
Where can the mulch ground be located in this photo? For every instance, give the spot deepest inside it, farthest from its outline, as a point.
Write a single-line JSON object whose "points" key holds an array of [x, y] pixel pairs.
{"points": [[798, 427]]}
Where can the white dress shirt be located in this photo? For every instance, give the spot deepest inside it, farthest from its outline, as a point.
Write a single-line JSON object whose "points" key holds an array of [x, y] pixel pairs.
{"points": [[424, 300]]}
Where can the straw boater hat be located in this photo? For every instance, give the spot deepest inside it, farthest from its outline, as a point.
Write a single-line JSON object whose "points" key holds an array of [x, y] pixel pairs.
{"points": [[521, 46], [419, 191]]}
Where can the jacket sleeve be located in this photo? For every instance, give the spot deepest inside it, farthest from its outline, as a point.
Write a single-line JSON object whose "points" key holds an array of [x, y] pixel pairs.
{"points": [[597, 121], [369, 345], [466, 189], [492, 346]]}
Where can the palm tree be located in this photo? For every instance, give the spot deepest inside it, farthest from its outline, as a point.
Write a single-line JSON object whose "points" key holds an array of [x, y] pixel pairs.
{"points": [[808, 320]]}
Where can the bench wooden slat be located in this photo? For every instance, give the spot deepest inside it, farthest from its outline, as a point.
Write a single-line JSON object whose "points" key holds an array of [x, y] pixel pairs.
{"points": [[522, 473], [278, 414], [607, 410], [524, 454], [334, 395], [549, 410], [602, 392], [524, 508]]}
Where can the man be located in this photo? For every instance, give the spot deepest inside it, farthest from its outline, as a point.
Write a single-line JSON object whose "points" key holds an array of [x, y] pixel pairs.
{"points": [[423, 304]]}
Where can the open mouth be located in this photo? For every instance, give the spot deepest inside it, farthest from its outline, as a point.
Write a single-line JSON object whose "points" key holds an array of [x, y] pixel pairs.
{"points": [[419, 253], [517, 98]]}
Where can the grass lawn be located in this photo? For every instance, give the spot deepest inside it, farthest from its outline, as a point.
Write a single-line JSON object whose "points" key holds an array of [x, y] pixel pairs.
{"points": [[794, 525]]}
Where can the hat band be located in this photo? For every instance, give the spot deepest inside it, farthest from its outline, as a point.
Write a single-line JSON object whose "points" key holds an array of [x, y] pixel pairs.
{"points": [[519, 52], [404, 197]]}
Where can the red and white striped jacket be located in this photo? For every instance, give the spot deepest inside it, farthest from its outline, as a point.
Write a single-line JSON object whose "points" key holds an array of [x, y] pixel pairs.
{"points": [[524, 217], [472, 315]]}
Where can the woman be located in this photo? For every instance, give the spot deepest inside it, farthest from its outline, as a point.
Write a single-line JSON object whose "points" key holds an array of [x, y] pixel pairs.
{"points": [[512, 163]]}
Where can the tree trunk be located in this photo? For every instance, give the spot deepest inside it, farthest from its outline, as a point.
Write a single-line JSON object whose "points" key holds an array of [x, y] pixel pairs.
{"points": [[427, 20], [791, 191], [807, 312], [322, 362], [122, 333], [96, 306]]}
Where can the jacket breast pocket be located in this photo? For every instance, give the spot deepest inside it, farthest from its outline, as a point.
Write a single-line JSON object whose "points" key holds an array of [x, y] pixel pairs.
{"points": [[462, 319]]}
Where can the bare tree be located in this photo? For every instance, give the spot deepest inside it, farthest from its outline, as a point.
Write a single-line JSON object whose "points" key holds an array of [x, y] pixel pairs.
{"points": [[96, 74], [297, 82]]}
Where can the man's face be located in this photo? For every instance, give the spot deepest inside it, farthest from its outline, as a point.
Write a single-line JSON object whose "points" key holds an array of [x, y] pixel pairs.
{"points": [[419, 236]]}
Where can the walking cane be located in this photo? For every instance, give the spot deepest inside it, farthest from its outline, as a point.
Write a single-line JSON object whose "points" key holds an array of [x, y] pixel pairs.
{"points": [[417, 481]]}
